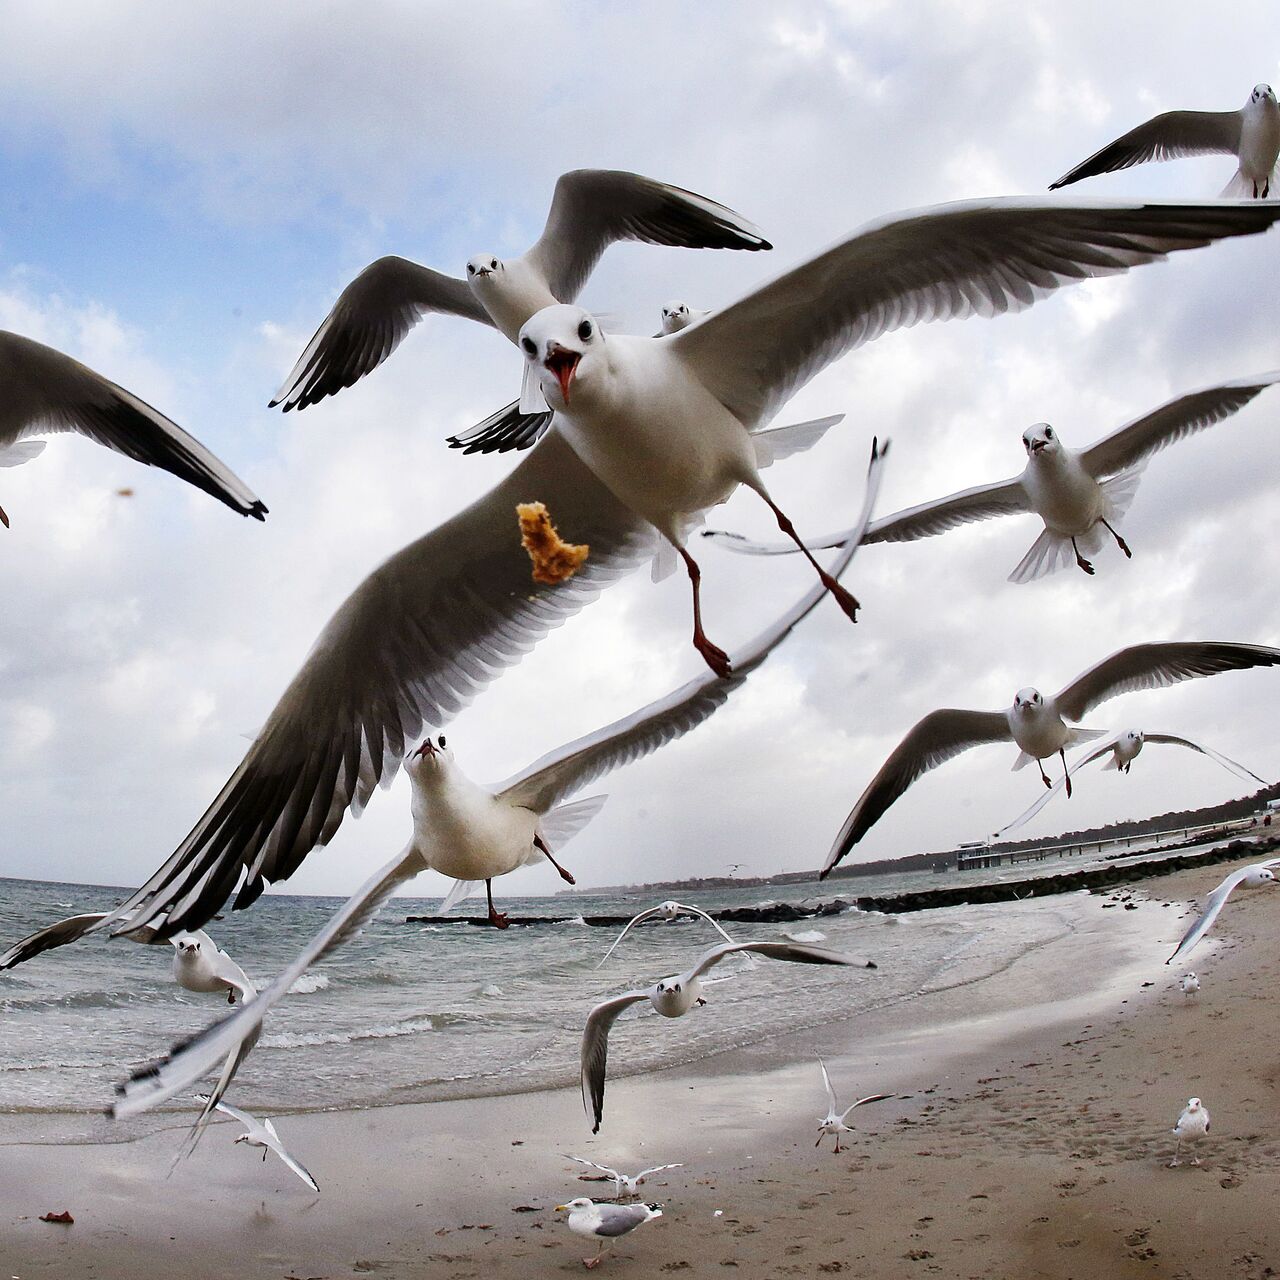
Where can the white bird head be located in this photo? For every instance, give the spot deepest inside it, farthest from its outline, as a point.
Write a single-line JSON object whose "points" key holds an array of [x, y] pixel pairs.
{"points": [[583, 1203], [1262, 93], [244, 1137], [1190, 976], [1132, 737], [1193, 1104], [429, 759], [668, 910], [1041, 439], [675, 315], [1027, 700], [559, 342], [484, 267], [188, 946]]}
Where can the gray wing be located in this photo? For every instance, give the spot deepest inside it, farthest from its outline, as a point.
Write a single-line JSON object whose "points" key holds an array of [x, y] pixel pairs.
{"points": [[618, 1219], [54, 935], [591, 1164], [944, 263], [592, 208], [1171, 422], [635, 920], [657, 1168], [227, 1109], [862, 1102], [412, 645], [562, 772], [1213, 904], [44, 390], [1104, 748], [937, 738], [1153, 666], [225, 967], [273, 1141], [368, 322], [502, 432], [795, 952], [831, 1093], [1226, 762], [1165, 137], [595, 1051]]}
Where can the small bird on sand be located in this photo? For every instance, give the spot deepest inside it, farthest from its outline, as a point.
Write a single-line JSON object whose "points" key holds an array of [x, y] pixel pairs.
{"points": [[1192, 1125], [833, 1122], [1190, 983], [605, 1222], [622, 1185]]}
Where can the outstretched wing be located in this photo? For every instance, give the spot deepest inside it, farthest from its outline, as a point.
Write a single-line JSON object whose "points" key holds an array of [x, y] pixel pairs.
{"points": [[595, 1051], [1106, 747], [1174, 421], [58, 935], [795, 952], [603, 1168], [1213, 904], [227, 1109], [273, 1141], [43, 390], [592, 208], [951, 261], [862, 1102], [501, 432], [368, 322], [1153, 666], [1226, 762], [1165, 137], [657, 1168], [831, 1093]]}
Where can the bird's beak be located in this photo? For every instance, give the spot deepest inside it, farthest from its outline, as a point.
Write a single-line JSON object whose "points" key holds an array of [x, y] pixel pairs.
{"points": [[561, 1208], [428, 749], [564, 364], [1037, 445]]}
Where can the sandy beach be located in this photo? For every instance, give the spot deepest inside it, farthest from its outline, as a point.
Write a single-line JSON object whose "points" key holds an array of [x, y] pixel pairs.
{"points": [[1030, 1140]]}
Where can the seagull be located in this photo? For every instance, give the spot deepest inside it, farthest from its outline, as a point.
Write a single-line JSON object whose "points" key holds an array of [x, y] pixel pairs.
{"points": [[1123, 749], [1079, 494], [1253, 876], [667, 423], [590, 210], [1038, 724], [1190, 983], [680, 315], [622, 1185], [664, 911], [833, 1122], [673, 997], [45, 390], [1192, 1125], [261, 1133], [474, 832], [605, 1222], [1251, 134]]}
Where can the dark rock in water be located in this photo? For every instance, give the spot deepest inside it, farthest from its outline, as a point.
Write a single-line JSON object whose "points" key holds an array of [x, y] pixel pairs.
{"points": [[769, 913]]}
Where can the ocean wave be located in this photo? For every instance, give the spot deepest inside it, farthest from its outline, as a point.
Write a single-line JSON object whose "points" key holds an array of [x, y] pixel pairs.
{"points": [[386, 1031], [308, 984], [72, 1000]]}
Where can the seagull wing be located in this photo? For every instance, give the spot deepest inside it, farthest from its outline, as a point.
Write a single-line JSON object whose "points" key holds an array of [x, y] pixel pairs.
{"points": [[1174, 421], [862, 1102], [935, 739], [1213, 904], [412, 645], [1104, 748], [595, 1051], [273, 1141], [53, 935], [796, 952], [592, 208], [14, 455], [635, 920], [233, 975], [698, 911], [951, 261], [657, 1168], [561, 772], [1153, 666], [1165, 137], [45, 390], [368, 322], [501, 432], [831, 1093], [249, 1122], [618, 1219], [1172, 739], [603, 1168]]}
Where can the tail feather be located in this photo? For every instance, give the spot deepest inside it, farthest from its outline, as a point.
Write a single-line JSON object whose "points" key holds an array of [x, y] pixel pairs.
{"points": [[1049, 553], [1118, 491]]}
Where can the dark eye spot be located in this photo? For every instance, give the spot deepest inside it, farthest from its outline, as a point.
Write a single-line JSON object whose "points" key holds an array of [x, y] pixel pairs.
{"points": [[529, 345], [470, 269], [493, 265], [585, 330], [1048, 433], [442, 739]]}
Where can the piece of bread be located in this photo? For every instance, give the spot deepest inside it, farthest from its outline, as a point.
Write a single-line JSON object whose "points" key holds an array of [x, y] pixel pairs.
{"points": [[553, 560]]}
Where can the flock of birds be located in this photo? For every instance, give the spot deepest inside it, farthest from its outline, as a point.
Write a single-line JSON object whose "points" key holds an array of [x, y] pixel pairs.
{"points": [[632, 440]]}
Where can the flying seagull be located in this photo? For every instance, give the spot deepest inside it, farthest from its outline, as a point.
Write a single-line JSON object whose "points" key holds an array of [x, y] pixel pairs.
{"points": [[680, 315], [1123, 749], [834, 1121], [623, 1185], [667, 423], [668, 910], [1037, 724], [1251, 134], [261, 1133], [605, 1222], [1254, 876], [590, 210], [1079, 494], [44, 390], [476, 833], [1192, 1125], [673, 997]]}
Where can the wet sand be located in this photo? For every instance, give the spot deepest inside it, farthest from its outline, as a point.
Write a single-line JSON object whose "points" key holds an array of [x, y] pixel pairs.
{"points": [[1030, 1142]]}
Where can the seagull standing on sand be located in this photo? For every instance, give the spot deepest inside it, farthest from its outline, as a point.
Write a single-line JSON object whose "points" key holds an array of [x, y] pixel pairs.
{"points": [[1192, 1125], [834, 1121], [605, 1222], [668, 910], [1038, 724], [1123, 749], [669, 424], [1080, 494], [622, 1185], [673, 997], [261, 1133], [1251, 134], [1190, 983], [44, 390], [475, 833], [1253, 876]]}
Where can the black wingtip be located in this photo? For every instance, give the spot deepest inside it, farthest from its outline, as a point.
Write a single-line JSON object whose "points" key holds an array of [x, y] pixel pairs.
{"points": [[258, 511], [763, 245]]}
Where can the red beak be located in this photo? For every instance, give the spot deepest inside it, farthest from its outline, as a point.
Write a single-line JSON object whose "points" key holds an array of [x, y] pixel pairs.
{"points": [[564, 364], [428, 748]]}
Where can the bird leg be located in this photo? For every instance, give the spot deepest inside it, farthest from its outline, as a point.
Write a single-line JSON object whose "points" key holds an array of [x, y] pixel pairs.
{"points": [[1175, 1162], [540, 844], [496, 918], [819, 1141], [592, 1263], [715, 657], [837, 1150], [842, 596], [1120, 542], [1080, 560], [1044, 777], [1195, 1159], [1066, 773], [264, 1155]]}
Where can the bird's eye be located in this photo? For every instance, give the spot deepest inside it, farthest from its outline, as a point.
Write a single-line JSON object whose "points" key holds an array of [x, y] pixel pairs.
{"points": [[471, 269], [442, 740], [1048, 433], [585, 331], [493, 264], [676, 987], [529, 345]]}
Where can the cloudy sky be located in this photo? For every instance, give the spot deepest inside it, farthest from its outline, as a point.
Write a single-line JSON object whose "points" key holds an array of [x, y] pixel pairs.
{"points": [[187, 188]]}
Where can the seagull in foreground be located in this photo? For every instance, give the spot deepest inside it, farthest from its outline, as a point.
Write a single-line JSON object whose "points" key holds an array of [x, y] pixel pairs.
{"points": [[590, 210], [833, 1122], [1254, 876], [476, 833], [622, 1185], [668, 423], [1190, 983], [1080, 494], [1251, 134], [1122, 749], [605, 1222], [1192, 1125], [45, 390], [668, 910], [1038, 724], [673, 997], [261, 1133]]}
